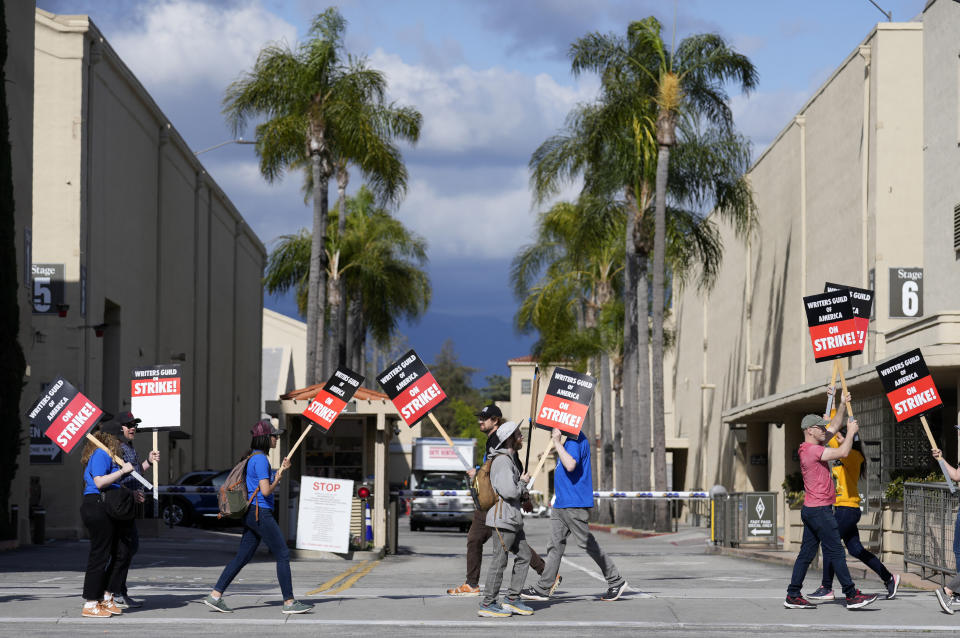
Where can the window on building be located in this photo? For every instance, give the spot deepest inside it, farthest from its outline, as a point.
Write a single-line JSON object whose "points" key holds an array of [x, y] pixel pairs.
{"points": [[526, 386]]}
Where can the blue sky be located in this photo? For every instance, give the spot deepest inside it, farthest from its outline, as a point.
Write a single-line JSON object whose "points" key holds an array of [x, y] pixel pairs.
{"points": [[492, 80]]}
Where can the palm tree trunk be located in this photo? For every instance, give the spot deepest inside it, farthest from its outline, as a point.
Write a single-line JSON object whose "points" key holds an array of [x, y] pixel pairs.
{"points": [[627, 414], [606, 462], [640, 452], [335, 303], [343, 179], [317, 286], [662, 523]]}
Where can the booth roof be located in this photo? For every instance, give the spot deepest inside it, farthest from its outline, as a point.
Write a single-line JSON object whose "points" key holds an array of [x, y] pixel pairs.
{"points": [[308, 393]]}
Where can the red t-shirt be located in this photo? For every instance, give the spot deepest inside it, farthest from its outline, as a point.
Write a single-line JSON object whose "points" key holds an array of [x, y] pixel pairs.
{"points": [[817, 478]]}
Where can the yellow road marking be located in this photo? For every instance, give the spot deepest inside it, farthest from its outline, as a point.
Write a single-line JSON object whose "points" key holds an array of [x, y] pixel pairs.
{"points": [[347, 584], [336, 579]]}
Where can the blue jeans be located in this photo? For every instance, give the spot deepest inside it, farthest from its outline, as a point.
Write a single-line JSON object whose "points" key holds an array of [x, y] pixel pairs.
{"points": [[820, 530], [254, 531], [847, 519]]}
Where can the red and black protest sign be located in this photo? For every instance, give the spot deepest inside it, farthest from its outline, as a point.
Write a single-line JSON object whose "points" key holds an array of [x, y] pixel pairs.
{"points": [[862, 302], [333, 398], [155, 396], [833, 331], [909, 386], [565, 405], [411, 387], [64, 414]]}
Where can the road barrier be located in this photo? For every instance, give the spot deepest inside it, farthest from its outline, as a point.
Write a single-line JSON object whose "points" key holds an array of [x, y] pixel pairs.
{"points": [[744, 518], [929, 515]]}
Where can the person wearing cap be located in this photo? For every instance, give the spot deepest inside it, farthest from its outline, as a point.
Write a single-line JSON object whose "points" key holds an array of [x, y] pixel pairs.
{"points": [[506, 520], [846, 476], [573, 486], [949, 595], [124, 428], [259, 523], [819, 523], [490, 418]]}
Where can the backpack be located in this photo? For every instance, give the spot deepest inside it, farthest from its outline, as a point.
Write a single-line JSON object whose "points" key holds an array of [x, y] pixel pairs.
{"points": [[232, 498], [485, 497]]}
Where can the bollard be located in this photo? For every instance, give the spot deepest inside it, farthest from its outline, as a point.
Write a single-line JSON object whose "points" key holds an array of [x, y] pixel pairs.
{"points": [[15, 520], [38, 525]]}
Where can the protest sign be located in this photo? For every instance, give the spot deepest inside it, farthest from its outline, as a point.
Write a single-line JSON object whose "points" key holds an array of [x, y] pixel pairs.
{"points": [[411, 388], [333, 398], [833, 332], [861, 300], [566, 402], [908, 385], [155, 396], [323, 518]]}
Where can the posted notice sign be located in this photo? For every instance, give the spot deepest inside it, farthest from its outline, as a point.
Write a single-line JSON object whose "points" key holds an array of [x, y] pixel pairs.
{"points": [[833, 331], [565, 405], [862, 302], [323, 520], [411, 387], [155, 396], [908, 385], [333, 398], [64, 414]]}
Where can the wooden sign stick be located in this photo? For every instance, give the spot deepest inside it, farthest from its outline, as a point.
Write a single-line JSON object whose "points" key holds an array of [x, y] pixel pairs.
{"points": [[833, 384], [543, 459], [306, 431], [446, 437], [117, 459], [843, 384], [933, 445], [534, 391]]}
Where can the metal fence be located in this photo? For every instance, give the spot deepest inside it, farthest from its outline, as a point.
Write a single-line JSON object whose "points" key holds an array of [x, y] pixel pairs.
{"points": [[929, 515], [745, 518]]}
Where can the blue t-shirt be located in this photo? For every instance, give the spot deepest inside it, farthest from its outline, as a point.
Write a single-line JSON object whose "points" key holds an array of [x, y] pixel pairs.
{"points": [[574, 489], [99, 464], [258, 467]]}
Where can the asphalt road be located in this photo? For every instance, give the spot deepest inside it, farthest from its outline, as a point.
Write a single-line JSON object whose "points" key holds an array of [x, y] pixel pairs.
{"points": [[678, 590]]}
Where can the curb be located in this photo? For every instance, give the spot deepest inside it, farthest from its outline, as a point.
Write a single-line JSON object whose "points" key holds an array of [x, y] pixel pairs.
{"points": [[312, 554]]}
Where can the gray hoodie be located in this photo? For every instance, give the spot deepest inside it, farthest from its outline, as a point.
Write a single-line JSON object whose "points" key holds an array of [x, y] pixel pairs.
{"points": [[505, 479]]}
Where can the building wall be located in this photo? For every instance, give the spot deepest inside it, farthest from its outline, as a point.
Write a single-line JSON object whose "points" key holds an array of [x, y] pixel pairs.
{"points": [[838, 194], [18, 72], [171, 267], [287, 337]]}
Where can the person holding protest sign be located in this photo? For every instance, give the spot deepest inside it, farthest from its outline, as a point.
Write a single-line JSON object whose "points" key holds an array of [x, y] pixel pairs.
{"points": [[949, 595], [846, 474], [259, 523], [573, 484], [819, 524], [124, 427], [507, 522], [490, 418], [106, 562]]}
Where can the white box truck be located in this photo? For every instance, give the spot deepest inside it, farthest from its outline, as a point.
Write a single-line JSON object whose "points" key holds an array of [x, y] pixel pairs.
{"points": [[437, 467]]}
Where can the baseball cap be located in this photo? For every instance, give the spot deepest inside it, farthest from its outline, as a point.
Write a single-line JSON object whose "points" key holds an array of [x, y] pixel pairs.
{"points": [[813, 420], [504, 432], [111, 427], [264, 427], [489, 412], [127, 419]]}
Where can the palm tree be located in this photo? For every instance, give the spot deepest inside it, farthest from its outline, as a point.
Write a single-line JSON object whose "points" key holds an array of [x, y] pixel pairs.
{"points": [[321, 109], [381, 266]]}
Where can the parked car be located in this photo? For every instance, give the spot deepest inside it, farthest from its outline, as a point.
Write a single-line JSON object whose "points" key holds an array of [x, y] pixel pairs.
{"points": [[442, 509], [192, 497]]}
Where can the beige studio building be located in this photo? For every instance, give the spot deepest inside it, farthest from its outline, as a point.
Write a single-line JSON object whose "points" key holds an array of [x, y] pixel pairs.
{"points": [[861, 187], [144, 254]]}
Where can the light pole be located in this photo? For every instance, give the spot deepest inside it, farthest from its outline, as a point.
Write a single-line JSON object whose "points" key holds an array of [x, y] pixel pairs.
{"points": [[239, 140]]}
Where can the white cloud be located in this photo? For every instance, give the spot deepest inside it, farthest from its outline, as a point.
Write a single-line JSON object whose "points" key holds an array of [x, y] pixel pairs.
{"points": [[191, 43]]}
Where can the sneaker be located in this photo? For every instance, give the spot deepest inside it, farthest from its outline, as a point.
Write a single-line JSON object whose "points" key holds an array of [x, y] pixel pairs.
{"points": [[859, 600], [614, 592], [822, 594], [955, 599], [798, 602], [893, 586], [97, 611], [111, 607], [514, 606], [493, 610], [465, 589], [126, 602], [217, 603], [529, 593], [556, 583], [296, 607], [944, 599]]}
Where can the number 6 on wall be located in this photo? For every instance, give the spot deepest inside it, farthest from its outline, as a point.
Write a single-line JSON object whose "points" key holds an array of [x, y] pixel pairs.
{"points": [[909, 299]]}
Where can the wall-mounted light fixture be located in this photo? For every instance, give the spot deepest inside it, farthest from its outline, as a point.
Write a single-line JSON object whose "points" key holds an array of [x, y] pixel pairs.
{"points": [[98, 329], [62, 309]]}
